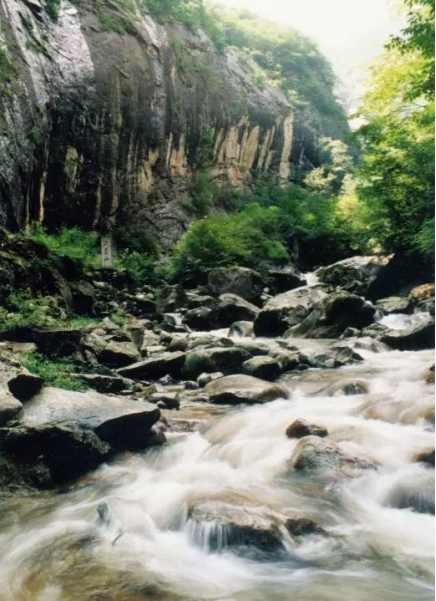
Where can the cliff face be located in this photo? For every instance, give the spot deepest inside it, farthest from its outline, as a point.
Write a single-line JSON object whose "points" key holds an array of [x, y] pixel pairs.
{"points": [[99, 124]]}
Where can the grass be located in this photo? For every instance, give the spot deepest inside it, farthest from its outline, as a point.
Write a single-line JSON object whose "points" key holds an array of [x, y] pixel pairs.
{"points": [[54, 373]]}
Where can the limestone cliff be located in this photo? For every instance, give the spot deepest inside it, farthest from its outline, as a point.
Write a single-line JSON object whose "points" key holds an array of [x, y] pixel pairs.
{"points": [[99, 125]]}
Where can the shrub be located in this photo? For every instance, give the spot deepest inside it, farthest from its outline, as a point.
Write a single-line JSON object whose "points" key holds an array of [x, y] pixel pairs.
{"points": [[55, 373], [69, 242], [24, 311]]}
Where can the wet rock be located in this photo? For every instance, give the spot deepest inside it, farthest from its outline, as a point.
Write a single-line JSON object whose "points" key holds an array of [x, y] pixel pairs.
{"points": [[205, 378], [336, 356], [255, 348], [288, 361], [200, 319], [300, 428], [232, 390], [416, 494], [105, 384], [138, 305], [283, 279], [25, 385], [331, 316], [241, 281], [194, 302], [318, 456], [355, 274], [394, 304], [265, 368], [171, 298], [425, 456], [155, 367], [347, 387], [241, 328], [299, 526], [422, 293], [10, 407], [288, 309], [233, 308], [167, 400], [57, 342], [178, 343], [225, 360], [429, 377], [112, 349], [413, 338], [209, 340], [191, 385]]}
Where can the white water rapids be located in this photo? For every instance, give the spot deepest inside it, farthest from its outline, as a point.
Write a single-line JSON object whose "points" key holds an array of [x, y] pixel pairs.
{"points": [[53, 547]]}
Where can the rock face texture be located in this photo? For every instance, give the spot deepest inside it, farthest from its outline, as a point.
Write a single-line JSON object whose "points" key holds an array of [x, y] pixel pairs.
{"points": [[104, 115]]}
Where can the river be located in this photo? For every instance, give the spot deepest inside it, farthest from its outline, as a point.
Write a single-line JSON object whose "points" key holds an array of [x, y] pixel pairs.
{"points": [[124, 533]]}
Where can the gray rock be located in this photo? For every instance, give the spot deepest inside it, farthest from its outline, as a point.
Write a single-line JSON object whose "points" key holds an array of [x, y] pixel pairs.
{"points": [[347, 387], [209, 340], [25, 385], [200, 319], [10, 407], [394, 304], [225, 360], [57, 342], [155, 367], [168, 400], [232, 390], [246, 283], [414, 338], [355, 274], [233, 308], [265, 368], [241, 328], [205, 378], [301, 428], [288, 309], [283, 279]]}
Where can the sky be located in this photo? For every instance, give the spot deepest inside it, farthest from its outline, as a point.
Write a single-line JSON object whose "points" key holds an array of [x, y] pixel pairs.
{"points": [[351, 33]]}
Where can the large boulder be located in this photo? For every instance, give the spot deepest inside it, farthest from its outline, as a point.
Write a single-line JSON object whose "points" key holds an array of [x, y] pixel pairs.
{"points": [[155, 367], [283, 279], [233, 308], [200, 319], [243, 282], [301, 428], [331, 316], [288, 309], [233, 390], [265, 368], [319, 456], [355, 274], [113, 349], [394, 304], [416, 337], [337, 355], [10, 407], [215, 359]]}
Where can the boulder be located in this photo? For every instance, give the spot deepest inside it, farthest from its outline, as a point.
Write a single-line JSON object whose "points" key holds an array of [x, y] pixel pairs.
{"points": [[112, 349], [167, 400], [226, 360], [194, 302], [416, 337], [84, 297], [355, 274], [155, 367], [57, 342], [300, 428], [283, 279], [10, 407], [336, 356], [233, 390], [288, 309], [265, 368], [424, 456], [416, 494], [25, 385], [347, 387], [331, 316], [244, 329], [205, 378], [233, 308], [105, 384], [421, 293], [244, 282], [138, 304], [171, 298], [254, 347], [318, 456], [394, 304], [209, 340], [200, 319]]}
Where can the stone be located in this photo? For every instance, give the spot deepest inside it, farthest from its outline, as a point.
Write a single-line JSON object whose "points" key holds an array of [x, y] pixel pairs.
{"points": [[300, 428], [138, 305], [10, 407], [169, 400], [335, 356], [287, 309], [318, 456], [355, 274], [209, 340], [57, 342], [205, 378], [265, 368], [84, 297], [243, 329], [422, 292], [244, 282], [236, 389], [429, 377], [233, 308], [225, 360], [394, 304], [155, 367], [347, 387], [178, 343], [424, 456], [194, 302], [25, 385], [191, 385], [116, 351], [254, 347], [283, 279], [149, 339], [200, 319], [416, 494], [413, 338], [171, 298], [331, 316], [105, 384]]}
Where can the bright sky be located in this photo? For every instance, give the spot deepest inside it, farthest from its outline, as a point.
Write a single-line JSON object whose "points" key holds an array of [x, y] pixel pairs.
{"points": [[351, 33]]}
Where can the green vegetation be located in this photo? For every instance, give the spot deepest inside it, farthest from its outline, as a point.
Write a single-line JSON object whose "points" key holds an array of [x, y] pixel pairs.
{"points": [[111, 22], [396, 176], [53, 9], [55, 373], [25, 311], [7, 73], [70, 242]]}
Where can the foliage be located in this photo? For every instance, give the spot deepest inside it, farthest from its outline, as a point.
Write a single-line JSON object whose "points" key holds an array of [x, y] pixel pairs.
{"points": [[25, 311], [396, 177], [69, 242], [140, 267], [7, 72], [419, 35], [204, 153], [111, 23], [53, 9], [55, 373], [136, 238]]}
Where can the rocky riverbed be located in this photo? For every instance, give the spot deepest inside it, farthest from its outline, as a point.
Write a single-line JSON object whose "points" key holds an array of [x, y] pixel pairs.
{"points": [[246, 440]]}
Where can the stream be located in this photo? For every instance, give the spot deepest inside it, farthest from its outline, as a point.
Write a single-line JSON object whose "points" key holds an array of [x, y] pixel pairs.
{"points": [[124, 532]]}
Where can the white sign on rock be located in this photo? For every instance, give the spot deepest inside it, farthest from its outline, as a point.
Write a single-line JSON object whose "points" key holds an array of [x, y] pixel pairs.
{"points": [[106, 251]]}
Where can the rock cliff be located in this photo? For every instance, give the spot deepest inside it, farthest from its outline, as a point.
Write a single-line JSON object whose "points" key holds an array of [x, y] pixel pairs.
{"points": [[104, 117]]}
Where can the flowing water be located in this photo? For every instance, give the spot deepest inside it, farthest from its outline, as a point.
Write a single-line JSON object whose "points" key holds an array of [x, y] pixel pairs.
{"points": [[124, 533]]}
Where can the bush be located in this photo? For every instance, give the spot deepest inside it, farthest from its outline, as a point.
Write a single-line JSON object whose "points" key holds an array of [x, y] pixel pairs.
{"points": [[70, 242], [55, 373], [24, 311]]}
